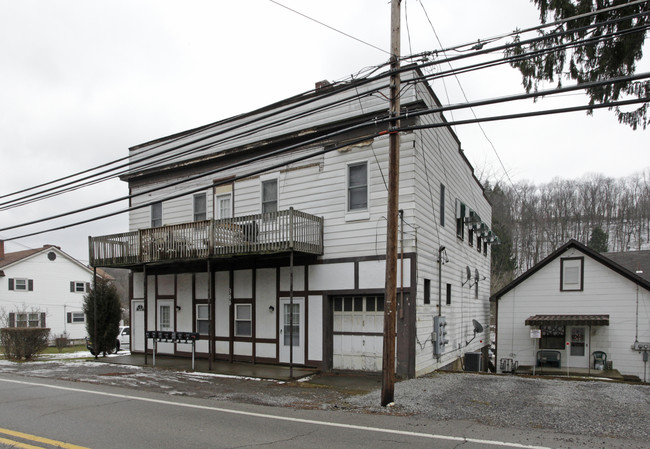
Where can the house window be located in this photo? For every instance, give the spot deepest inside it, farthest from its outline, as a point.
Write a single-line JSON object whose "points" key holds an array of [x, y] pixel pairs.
{"points": [[460, 219], [224, 206], [479, 243], [358, 186], [571, 274], [427, 291], [552, 337], [79, 287], [203, 319], [200, 213], [243, 320], [21, 285], [165, 318], [448, 294], [156, 215], [31, 319], [485, 243], [470, 227], [269, 196], [76, 317], [442, 205]]}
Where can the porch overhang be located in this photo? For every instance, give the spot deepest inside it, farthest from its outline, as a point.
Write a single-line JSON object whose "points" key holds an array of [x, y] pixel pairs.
{"points": [[568, 320]]}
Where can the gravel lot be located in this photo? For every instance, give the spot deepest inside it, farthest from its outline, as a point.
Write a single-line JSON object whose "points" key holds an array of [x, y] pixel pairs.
{"points": [[582, 407]]}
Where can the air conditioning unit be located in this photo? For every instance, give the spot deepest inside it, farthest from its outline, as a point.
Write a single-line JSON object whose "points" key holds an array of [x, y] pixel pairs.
{"points": [[473, 361]]}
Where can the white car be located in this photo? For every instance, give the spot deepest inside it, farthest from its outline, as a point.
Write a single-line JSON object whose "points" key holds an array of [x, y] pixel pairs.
{"points": [[123, 338]]}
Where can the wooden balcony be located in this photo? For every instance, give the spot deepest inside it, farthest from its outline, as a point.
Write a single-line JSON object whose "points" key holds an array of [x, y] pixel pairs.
{"points": [[275, 232]]}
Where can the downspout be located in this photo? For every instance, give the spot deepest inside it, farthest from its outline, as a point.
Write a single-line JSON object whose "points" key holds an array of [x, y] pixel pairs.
{"points": [[146, 314]]}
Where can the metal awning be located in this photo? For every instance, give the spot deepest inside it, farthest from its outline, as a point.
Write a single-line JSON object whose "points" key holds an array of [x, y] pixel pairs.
{"points": [[568, 320]]}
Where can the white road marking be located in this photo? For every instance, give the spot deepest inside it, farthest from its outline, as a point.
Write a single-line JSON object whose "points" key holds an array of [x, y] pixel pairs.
{"points": [[283, 418]]}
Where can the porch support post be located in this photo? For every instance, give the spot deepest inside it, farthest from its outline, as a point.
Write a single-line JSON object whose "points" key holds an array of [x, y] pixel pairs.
{"points": [[212, 302], [146, 314], [290, 314]]}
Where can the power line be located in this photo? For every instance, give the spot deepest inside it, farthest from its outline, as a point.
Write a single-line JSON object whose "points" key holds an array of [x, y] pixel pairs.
{"points": [[331, 27]]}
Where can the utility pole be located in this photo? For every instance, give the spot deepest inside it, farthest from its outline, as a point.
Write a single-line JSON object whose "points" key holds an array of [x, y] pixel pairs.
{"points": [[390, 307]]}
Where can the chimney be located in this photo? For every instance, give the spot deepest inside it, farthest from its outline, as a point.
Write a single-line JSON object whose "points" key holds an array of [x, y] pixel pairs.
{"points": [[2, 249], [322, 84]]}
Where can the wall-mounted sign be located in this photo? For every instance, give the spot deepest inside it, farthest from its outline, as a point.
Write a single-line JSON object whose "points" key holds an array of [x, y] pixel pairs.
{"points": [[535, 333]]}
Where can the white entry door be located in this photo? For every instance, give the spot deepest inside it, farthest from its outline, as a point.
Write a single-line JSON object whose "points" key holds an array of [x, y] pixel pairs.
{"points": [[577, 346], [295, 339], [137, 326]]}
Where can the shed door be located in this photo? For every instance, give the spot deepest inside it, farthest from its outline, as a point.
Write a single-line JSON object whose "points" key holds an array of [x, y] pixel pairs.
{"points": [[358, 332]]}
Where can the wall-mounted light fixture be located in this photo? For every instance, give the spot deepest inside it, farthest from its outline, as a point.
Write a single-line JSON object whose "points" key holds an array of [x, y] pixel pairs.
{"points": [[271, 309], [178, 308]]}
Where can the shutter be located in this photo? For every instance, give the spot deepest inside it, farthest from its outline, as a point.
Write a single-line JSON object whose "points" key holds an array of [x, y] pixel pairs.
{"points": [[30, 285], [12, 319], [11, 284], [69, 317], [43, 319], [71, 289]]}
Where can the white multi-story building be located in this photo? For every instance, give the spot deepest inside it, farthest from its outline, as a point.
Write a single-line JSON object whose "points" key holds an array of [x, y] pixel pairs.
{"points": [[266, 234]]}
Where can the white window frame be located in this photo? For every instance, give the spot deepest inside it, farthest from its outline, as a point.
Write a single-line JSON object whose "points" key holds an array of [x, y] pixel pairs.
{"points": [[220, 199], [156, 221], [239, 319], [200, 318], [24, 284], [461, 210], [76, 287], [200, 215], [365, 186], [162, 325], [263, 202], [77, 317]]}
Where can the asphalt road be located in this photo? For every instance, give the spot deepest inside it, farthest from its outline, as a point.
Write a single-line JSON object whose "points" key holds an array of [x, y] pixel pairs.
{"points": [[101, 417]]}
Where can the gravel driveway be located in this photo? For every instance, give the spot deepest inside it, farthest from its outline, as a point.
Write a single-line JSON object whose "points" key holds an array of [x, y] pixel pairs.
{"points": [[582, 407]]}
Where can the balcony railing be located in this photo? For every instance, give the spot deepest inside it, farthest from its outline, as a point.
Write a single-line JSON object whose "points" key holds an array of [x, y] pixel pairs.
{"points": [[274, 232]]}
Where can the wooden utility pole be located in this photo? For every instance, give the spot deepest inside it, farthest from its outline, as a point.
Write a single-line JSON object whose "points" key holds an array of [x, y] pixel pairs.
{"points": [[390, 307]]}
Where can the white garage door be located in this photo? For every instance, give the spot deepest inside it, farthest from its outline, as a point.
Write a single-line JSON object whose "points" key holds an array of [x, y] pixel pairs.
{"points": [[358, 332]]}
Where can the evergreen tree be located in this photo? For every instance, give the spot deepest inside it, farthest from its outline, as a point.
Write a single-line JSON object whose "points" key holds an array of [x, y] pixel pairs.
{"points": [[591, 48], [104, 298], [503, 262], [599, 240]]}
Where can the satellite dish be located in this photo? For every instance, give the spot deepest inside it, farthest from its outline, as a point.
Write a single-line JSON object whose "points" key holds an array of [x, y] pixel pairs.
{"points": [[478, 327], [469, 273]]}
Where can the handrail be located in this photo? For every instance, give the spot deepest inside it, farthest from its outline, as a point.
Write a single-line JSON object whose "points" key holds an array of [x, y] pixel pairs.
{"points": [[271, 232]]}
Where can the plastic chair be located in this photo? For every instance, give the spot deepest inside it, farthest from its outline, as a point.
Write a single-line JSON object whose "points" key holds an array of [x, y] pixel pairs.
{"points": [[600, 360]]}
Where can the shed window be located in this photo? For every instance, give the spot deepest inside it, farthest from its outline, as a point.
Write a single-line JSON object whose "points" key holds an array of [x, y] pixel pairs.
{"points": [[571, 274], [552, 337]]}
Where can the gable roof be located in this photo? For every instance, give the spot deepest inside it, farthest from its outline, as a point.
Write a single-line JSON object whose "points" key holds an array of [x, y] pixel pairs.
{"points": [[19, 256], [637, 262], [606, 261]]}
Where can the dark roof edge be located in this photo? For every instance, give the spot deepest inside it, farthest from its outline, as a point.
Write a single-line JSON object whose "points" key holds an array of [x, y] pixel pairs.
{"points": [[586, 250]]}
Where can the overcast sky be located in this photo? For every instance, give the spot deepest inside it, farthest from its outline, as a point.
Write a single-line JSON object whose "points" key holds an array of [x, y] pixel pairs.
{"points": [[81, 81]]}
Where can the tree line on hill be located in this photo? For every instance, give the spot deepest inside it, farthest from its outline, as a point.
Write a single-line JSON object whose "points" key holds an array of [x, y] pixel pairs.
{"points": [[531, 221]]}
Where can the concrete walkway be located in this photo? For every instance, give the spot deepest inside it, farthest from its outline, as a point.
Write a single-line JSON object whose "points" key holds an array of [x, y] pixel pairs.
{"points": [[571, 372]]}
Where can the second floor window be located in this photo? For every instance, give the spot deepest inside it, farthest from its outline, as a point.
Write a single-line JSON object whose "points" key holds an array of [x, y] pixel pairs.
{"points": [[460, 219], [199, 207], [358, 186], [224, 206], [156, 215], [442, 205], [269, 196], [21, 285], [79, 287]]}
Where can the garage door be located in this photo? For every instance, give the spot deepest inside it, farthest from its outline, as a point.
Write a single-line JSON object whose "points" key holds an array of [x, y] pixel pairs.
{"points": [[358, 332]]}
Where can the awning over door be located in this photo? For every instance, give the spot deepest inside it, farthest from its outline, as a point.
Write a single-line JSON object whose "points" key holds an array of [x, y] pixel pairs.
{"points": [[568, 320]]}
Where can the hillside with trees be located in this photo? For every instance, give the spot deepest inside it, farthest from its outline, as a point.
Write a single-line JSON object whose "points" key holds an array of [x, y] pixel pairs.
{"points": [[532, 221]]}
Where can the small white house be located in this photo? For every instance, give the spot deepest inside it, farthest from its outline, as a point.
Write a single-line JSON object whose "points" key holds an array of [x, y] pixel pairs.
{"points": [[574, 303], [44, 287]]}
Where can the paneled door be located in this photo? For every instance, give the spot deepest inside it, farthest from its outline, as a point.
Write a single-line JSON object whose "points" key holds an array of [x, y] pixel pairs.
{"points": [[292, 334]]}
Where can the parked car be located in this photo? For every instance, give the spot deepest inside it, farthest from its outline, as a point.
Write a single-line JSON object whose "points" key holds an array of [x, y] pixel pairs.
{"points": [[123, 340]]}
